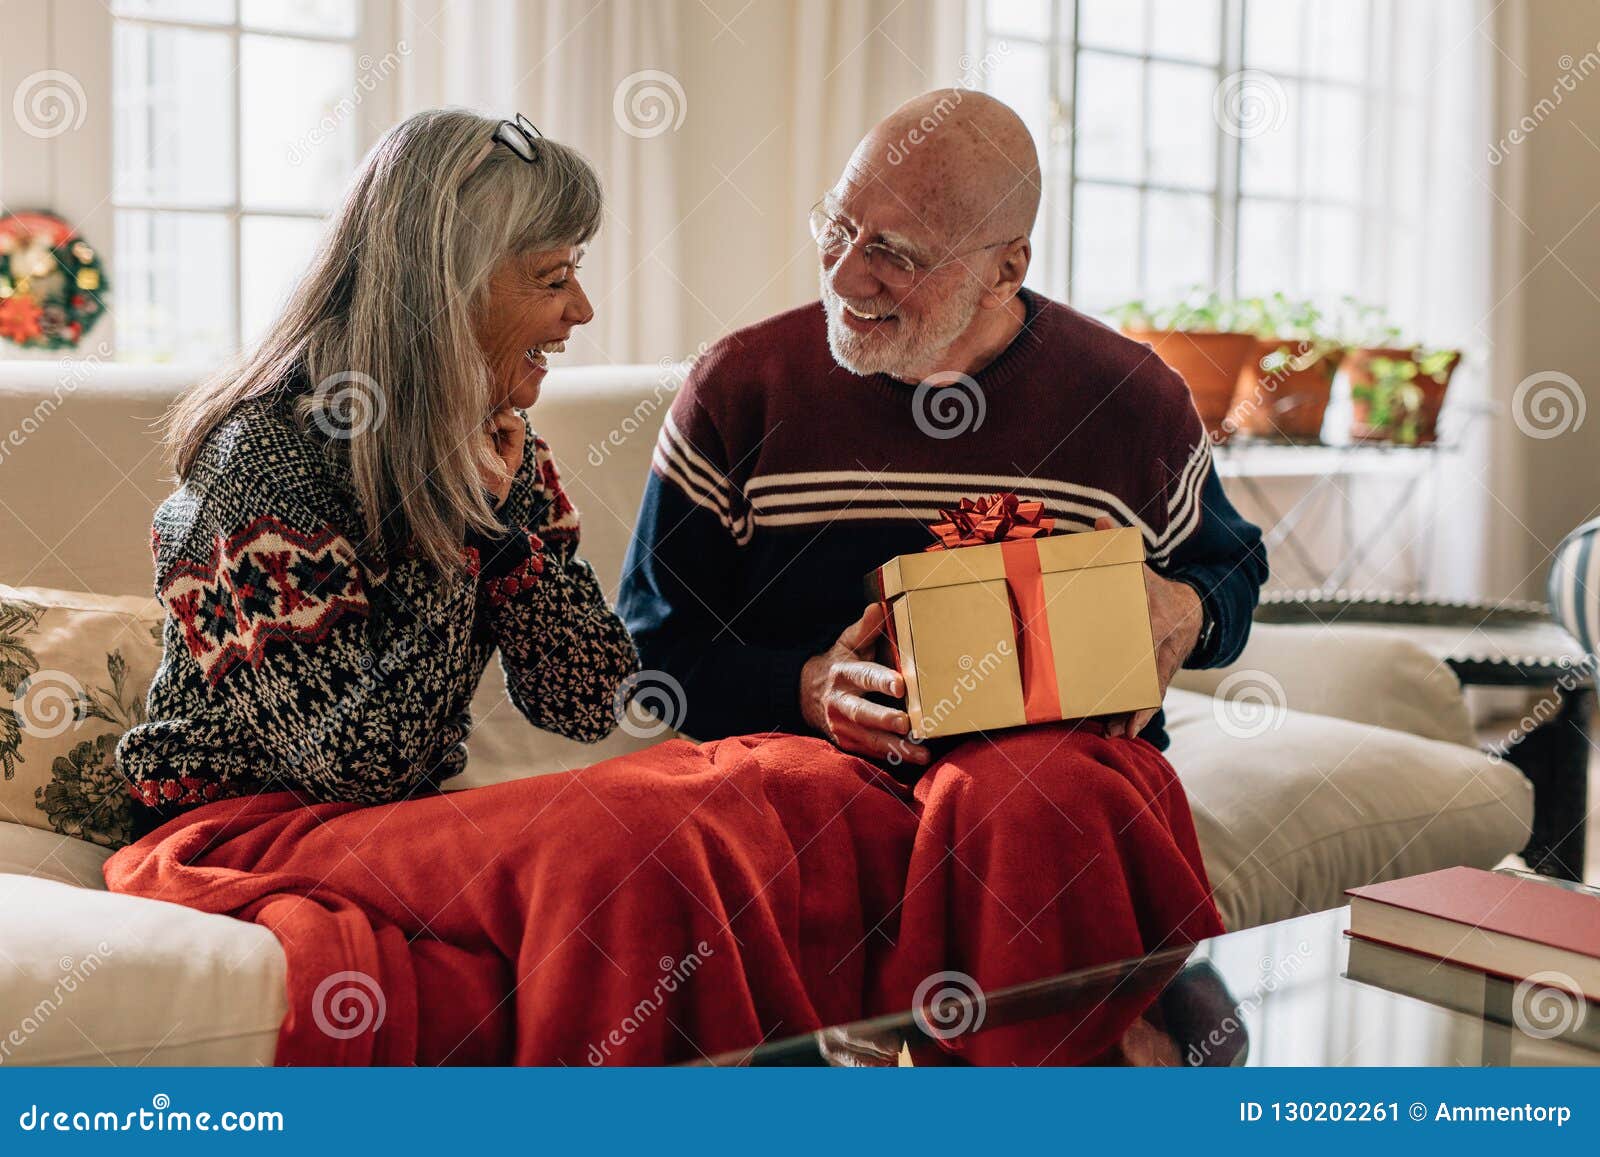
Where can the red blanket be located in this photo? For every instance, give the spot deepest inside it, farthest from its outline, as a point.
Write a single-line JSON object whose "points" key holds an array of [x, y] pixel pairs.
{"points": [[693, 899]]}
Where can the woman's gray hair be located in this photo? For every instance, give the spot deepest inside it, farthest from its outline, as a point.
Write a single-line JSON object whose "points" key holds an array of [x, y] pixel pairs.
{"points": [[380, 327]]}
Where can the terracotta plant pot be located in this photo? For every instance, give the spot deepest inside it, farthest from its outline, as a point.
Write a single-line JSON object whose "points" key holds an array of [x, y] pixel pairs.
{"points": [[1285, 404], [1209, 364], [1433, 393], [1357, 369]]}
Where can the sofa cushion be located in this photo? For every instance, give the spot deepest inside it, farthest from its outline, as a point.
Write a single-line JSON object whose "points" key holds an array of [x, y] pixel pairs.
{"points": [[76, 669], [93, 978], [1365, 674], [504, 746], [44, 855], [210, 988], [1298, 807]]}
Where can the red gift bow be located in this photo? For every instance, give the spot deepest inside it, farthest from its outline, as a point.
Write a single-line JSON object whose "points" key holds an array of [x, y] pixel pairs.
{"points": [[994, 518]]}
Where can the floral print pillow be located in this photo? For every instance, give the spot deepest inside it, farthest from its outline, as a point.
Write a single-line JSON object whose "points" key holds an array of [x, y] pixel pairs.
{"points": [[74, 670]]}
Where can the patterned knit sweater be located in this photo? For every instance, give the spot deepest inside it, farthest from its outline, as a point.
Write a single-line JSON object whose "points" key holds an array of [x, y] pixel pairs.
{"points": [[780, 479], [293, 661]]}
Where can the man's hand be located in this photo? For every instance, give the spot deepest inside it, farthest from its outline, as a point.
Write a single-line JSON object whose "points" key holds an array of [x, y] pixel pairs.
{"points": [[832, 700], [1175, 619]]}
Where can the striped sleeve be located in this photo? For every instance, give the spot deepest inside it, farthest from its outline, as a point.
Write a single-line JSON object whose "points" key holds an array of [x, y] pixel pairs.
{"points": [[680, 594], [689, 456], [1205, 542], [1183, 506]]}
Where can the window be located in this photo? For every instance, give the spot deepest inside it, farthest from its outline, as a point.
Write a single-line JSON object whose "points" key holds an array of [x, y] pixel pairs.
{"points": [[232, 135], [1231, 143]]}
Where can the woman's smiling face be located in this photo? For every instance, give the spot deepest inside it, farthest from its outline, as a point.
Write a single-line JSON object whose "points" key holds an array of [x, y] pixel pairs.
{"points": [[533, 304]]}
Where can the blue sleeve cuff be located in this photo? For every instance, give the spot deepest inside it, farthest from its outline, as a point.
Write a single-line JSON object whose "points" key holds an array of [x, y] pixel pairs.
{"points": [[1207, 650]]}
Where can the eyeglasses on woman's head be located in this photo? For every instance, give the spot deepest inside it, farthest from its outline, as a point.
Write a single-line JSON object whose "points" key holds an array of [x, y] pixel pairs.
{"points": [[521, 136]]}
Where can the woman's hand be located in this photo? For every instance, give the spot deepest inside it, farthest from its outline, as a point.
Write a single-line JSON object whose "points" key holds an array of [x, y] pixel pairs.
{"points": [[506, 434]]}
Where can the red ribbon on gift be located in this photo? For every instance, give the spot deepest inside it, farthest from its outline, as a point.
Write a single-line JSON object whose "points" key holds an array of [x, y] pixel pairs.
{"points": [[1006, 520], [995, 518]]}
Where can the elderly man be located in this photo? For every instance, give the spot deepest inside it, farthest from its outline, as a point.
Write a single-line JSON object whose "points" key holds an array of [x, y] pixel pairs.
{"points": [[806, 450]]}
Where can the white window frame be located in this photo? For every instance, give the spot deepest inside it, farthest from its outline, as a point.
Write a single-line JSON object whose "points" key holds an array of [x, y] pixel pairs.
{"points": [[70, 173], [1059, 153]]}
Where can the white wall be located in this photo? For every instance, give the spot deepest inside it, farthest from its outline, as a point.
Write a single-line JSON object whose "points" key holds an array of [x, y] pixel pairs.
{"points": [[1547, 316]]}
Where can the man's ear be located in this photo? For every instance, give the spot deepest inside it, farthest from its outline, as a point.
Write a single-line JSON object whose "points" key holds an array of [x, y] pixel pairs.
{"points": [[1009, 273]]}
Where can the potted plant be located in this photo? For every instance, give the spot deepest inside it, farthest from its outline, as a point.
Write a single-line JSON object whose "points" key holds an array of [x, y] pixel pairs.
{"points": [[1396, 394], [1196, 337], [1284, 386], [1385, 406], [1399, 397], [1396, 389]]}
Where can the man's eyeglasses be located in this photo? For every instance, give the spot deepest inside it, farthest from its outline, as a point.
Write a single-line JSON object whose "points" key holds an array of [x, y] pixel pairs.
{"points": [[886, 263], [521, 136]]}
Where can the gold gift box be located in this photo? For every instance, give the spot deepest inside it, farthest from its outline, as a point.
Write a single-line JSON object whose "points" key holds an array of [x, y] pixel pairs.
{"points": [[966, 651]]}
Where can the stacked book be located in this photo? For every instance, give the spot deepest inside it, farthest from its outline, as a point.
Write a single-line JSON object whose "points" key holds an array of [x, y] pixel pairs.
{"points": [[1417, 935]]}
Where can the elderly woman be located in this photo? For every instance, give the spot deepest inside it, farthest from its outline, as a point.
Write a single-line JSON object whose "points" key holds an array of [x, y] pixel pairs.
{"points": [[363, 518], [364, 491]]}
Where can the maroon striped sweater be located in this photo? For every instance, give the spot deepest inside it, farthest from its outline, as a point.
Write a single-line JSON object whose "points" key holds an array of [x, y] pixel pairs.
{"points": [[781, 478]]}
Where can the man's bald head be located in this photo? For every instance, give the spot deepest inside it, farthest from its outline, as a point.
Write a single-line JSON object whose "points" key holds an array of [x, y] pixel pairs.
{"points": [[962, 160], [924, 238]]}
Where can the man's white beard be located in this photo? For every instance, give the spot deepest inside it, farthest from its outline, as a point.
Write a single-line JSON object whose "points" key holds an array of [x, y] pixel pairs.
{"points": [[912, 354]]}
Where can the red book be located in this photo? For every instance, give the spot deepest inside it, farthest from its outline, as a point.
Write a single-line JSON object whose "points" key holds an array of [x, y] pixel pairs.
{"points": [[1507, 925]]}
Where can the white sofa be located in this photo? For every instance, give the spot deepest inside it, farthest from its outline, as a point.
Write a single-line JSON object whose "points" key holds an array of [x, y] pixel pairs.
{"points": [[1368, 773]]}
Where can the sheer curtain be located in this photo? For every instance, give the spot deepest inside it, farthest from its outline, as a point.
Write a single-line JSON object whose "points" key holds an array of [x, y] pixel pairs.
{"points": [[1433, 268], [562, 63], [1429, 228], [713, 124]]}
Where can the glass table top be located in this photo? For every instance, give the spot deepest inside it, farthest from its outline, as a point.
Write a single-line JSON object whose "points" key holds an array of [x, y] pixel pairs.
{"points": [[1298, 992]]}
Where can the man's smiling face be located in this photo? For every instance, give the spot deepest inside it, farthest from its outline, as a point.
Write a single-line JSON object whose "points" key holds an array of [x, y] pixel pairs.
{"points": [[874, 327], [950, 181]]}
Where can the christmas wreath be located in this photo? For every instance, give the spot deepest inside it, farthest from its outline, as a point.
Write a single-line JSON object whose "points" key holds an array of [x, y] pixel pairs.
{"points": [[51, 284]]}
